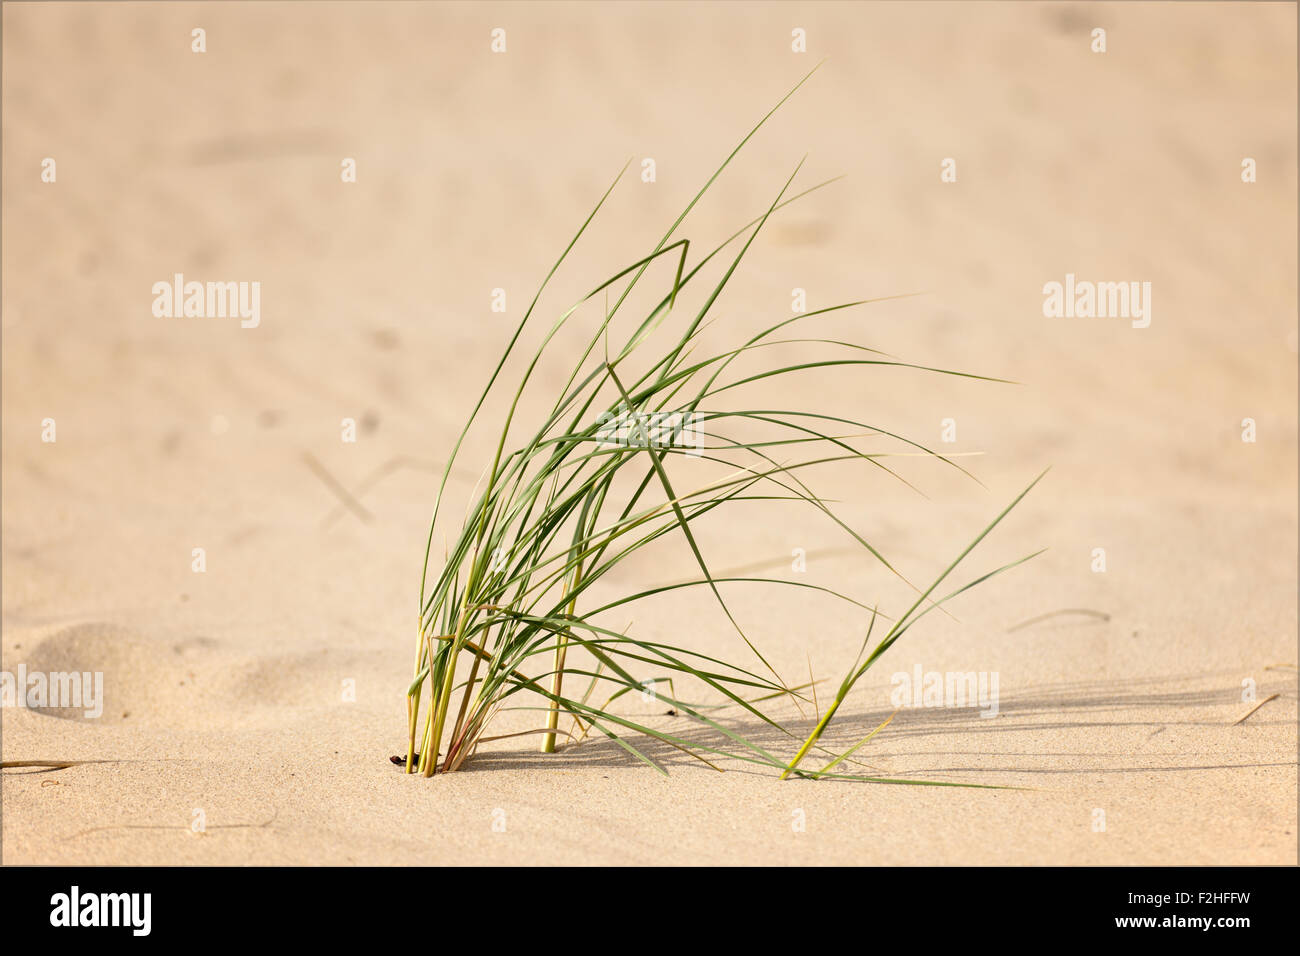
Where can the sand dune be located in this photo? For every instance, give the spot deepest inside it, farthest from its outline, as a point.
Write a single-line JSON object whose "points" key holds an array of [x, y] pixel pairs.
{"points": [[265, 695]]}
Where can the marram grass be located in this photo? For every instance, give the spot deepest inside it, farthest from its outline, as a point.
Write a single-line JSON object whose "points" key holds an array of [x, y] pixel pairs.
{"points": [[509, 620]]}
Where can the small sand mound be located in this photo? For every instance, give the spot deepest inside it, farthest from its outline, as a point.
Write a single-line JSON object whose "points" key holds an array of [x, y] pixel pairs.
{"points": [[102, 671]]}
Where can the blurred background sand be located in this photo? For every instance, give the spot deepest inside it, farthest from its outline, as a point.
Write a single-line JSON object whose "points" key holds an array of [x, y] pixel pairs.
{"points": [[224, 689]]}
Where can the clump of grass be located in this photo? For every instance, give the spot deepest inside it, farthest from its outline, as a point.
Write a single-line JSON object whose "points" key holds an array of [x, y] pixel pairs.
{"points": [[510, 615]]}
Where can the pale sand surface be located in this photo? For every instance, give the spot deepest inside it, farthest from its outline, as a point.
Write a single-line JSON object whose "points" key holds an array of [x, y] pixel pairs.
{"points": [[224, 689]]}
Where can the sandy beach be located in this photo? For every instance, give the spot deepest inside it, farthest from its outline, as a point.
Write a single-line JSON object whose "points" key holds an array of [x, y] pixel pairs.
{"points": [[263, 695]]}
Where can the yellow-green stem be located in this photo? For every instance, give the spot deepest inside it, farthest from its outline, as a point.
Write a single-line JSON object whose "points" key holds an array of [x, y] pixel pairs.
{"points": [[557, 679], [812, 738], [443, 698], [458, 729], [413, 703]]}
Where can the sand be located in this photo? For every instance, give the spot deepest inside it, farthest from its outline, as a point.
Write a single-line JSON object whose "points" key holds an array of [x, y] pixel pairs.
{"points": [[226, 692]]}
